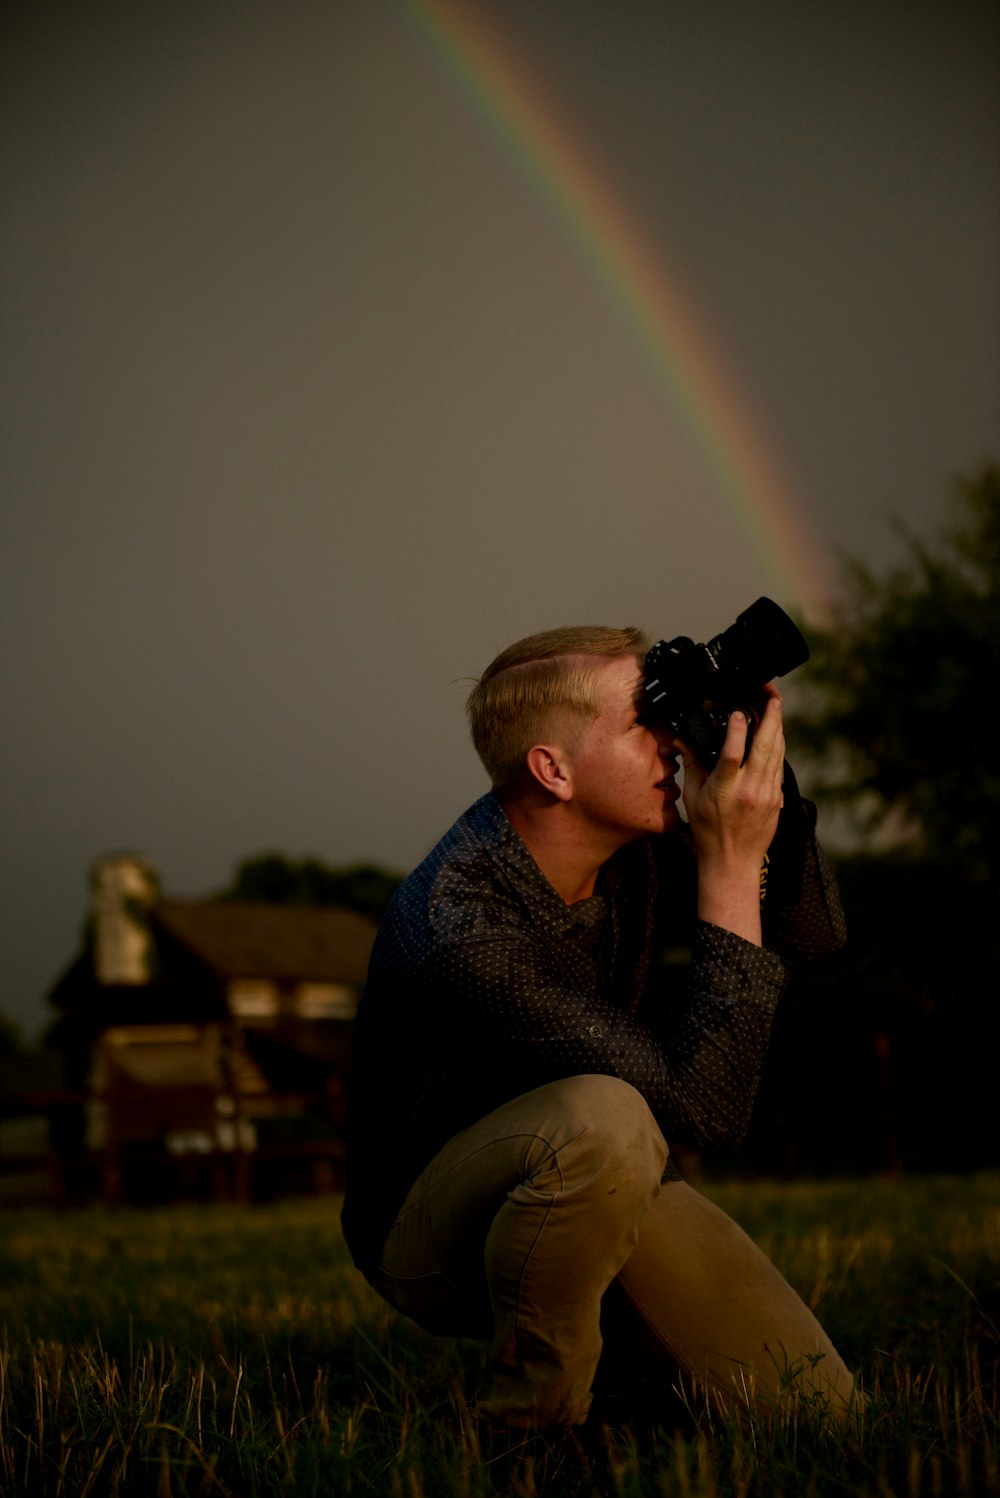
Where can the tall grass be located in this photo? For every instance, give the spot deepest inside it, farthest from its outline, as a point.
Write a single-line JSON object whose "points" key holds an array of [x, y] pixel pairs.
{"points": [[235, 1351]]}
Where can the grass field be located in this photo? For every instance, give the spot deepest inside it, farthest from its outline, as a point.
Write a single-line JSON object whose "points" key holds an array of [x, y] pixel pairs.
{"points": [[235, 1351]]}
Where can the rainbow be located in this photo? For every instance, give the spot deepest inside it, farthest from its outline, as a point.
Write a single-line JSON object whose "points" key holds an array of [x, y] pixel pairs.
{"points": [[645, 293]]}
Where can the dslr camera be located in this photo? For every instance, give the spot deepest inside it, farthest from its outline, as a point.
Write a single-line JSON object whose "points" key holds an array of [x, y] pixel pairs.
{"points": [[693, 688]]}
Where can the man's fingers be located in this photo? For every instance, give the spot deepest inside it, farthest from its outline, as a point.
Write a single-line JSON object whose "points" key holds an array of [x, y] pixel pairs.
{"points": [[767, 751], [734, 745], [695, 774]]}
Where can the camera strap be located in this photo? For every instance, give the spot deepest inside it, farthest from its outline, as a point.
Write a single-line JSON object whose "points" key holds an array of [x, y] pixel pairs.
{"points": [[783, 868]]}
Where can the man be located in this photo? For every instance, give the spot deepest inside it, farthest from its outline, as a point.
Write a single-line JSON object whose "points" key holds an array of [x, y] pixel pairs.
{"points": [[516, 1078]]}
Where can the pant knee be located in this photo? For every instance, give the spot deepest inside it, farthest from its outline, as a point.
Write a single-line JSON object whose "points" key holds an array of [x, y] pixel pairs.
{"points": [[610, 1130]]}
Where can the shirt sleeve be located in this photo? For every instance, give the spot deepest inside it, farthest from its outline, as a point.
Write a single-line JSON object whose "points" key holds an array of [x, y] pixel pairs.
{"points": [[535, 1017], [814, 926]]}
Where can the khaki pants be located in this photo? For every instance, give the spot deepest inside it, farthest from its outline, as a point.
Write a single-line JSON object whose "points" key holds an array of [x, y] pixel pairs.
{"points": [[520, 1224]]}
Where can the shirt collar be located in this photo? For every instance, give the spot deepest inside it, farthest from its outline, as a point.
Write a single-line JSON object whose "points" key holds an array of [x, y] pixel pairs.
{"points": [[512, 856]]}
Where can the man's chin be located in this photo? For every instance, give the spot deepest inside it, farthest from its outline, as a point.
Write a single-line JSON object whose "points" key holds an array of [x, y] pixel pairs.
{"points": [[671, 818]]}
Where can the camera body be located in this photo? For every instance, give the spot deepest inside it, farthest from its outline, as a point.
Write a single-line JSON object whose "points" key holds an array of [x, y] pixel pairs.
{"points": [[693, 688]]}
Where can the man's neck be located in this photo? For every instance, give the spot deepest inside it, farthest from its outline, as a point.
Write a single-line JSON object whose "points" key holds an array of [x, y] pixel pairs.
{"points": [[569, 859]]}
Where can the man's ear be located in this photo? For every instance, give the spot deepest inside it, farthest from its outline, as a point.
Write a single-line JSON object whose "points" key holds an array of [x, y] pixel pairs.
{"points": [[549, 767]]}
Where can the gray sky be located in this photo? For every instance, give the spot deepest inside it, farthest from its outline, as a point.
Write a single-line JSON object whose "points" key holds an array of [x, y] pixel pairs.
{"points": [[311, 403]]}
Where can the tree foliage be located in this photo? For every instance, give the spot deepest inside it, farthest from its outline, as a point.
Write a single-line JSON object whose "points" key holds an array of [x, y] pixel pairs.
{"points": [[272, 879], [11, 1042], [897, 722], [898, 717]]}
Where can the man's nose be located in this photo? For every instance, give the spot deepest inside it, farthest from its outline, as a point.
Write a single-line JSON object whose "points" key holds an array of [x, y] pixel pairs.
{"points": [[666, 744]]}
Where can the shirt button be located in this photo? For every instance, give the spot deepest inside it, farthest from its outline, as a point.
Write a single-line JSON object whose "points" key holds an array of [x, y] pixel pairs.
{"points": [[595, 1031]]}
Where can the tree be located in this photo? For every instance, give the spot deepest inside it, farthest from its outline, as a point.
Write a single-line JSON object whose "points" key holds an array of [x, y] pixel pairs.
{"points": [[898, 715], [272, 879], [898, 722], [11, 1042]]}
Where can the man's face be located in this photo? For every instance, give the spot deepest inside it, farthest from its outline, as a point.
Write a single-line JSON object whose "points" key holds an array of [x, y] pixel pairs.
{"points": [[623, 772]]}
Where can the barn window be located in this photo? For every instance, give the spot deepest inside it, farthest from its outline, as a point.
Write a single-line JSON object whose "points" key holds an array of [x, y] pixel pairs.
{"points": [[253, 998], [325, 1001]]}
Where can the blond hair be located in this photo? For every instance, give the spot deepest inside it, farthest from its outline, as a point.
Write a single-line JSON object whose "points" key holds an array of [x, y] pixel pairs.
{"points": [[538, 684]]}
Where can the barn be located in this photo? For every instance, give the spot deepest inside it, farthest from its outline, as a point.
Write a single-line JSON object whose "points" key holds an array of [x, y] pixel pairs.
{"points": [[206, 1043]]}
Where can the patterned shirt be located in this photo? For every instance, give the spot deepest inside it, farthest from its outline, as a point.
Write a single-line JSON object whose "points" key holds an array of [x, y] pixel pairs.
{"points": [[484, 983]]}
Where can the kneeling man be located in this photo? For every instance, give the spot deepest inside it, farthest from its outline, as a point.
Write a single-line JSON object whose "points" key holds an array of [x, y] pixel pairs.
{"points": [[517, 1078]]}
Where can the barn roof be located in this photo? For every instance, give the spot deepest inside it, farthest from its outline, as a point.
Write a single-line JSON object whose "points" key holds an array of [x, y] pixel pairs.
{"points": [[281, 943]]}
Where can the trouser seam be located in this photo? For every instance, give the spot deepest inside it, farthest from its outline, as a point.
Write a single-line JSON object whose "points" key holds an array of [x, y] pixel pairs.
{"points": [[655, 1325], [483, 1149]]}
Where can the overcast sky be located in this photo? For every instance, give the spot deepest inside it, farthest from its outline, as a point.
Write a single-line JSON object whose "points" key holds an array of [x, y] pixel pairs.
{"points": [[314, 398]]}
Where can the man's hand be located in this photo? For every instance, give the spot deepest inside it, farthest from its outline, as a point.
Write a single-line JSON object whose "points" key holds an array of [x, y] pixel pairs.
{"points": [[733, 813]]}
